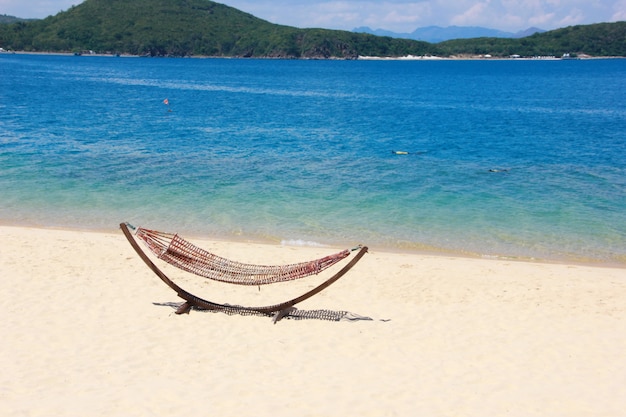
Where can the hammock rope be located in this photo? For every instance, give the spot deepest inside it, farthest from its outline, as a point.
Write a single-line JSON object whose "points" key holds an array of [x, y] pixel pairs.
{"points": [[183, 254]]}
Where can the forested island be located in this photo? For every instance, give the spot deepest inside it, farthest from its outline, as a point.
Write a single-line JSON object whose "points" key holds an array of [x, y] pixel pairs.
{"points": [[182, 28]]}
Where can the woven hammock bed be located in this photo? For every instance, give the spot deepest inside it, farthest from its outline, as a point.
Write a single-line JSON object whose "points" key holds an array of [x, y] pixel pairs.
{"points": [[188, 257]]}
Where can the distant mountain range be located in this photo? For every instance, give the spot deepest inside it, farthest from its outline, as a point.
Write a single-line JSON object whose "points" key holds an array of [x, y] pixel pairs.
{"points": [[436, 34], [4, 18]]}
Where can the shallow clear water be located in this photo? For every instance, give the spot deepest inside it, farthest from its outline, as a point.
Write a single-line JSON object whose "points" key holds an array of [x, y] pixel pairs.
{"points": [[301, 151]]}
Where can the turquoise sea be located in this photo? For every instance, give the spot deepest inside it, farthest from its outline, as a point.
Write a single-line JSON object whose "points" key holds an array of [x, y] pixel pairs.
{"points": [[509, 158]]}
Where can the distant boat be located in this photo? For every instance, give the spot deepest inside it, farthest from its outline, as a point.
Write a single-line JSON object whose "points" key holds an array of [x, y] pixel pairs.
{"points": [[408, 153]]}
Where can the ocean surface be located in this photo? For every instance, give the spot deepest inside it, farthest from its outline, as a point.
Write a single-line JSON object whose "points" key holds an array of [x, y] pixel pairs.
{"points": [[522, 159]]}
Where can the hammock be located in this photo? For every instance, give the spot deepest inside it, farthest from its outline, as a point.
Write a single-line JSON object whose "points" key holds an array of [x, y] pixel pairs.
{"points": [[178, 252]]}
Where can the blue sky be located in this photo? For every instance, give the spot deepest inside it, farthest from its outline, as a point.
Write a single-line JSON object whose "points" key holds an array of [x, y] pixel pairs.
{"points": [[394, 15]]}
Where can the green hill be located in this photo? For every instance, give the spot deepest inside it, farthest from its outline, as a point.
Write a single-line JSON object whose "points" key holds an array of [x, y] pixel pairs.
{"points": [[189, 27], [206, 28], [602, 39]]}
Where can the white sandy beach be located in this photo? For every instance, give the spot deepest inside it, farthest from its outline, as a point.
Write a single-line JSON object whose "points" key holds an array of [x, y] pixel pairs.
{"points": [[82, 335]]}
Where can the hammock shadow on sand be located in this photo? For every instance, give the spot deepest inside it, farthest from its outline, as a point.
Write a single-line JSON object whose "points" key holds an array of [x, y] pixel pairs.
{"points": [[293, 313], [188, 257]]}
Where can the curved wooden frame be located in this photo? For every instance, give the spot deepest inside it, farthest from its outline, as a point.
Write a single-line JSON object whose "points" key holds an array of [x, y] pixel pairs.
{"points": [[191, 300]]}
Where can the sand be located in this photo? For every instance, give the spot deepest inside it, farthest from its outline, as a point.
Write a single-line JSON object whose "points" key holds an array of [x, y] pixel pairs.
{"points": [[87, 330]]}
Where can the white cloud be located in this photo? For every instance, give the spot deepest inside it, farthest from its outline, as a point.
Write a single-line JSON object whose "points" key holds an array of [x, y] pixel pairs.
{"points": [[395, 15], [619, 16], [408, 16], [477, 15], [541, 20], [619, 11], [575, 17]]}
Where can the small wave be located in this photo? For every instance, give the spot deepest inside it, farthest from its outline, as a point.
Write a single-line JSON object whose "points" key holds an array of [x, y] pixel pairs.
{"points": [[300, 242]]}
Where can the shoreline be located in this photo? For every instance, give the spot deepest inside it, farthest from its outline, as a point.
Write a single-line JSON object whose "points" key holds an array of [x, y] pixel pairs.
{"points": [[479, 57], [88, 320], [418, 250]]}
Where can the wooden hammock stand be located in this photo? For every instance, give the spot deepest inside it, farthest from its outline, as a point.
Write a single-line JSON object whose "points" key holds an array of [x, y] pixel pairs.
{"points": [[186, 256]]}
